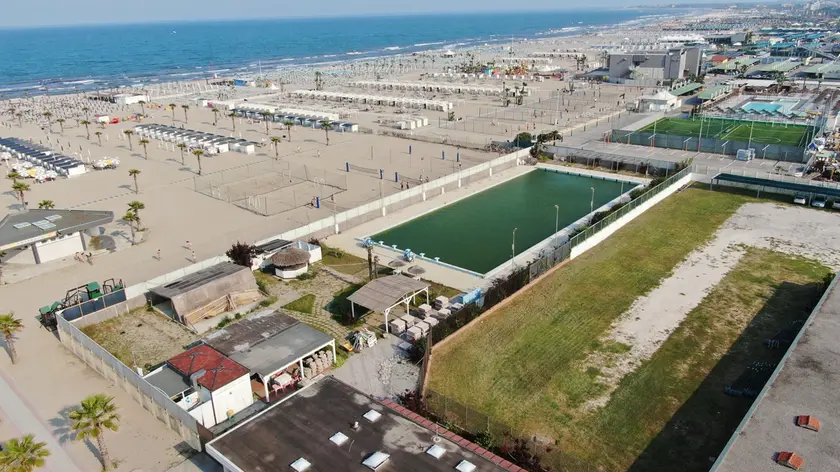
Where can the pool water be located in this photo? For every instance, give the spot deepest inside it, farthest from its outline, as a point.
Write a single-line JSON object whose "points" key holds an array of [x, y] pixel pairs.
{"points": [[784, 105], [476, 233]]}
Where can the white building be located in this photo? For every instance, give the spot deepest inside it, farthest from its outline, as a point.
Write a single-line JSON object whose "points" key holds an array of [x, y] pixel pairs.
{"points": [[50, 234], [659, 101]]}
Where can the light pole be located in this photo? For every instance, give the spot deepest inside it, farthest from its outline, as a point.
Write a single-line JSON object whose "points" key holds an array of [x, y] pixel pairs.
{"points": [[513, 249], [592, 201], [556, 223]]}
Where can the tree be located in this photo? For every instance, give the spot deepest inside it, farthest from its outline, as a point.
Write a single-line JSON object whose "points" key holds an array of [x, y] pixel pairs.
{"points": [[20, 119], [48, 115], [181, 147], [23, 454], [289, 124], [99, 137], [134, 173], [172, 107], [215, 115], [86, 123], [232, 116], [240, 254], [60, 122], [128, 134], [12, 111], [46, 205], [144, 142], [186, 118], [95, 415], [742, 70], [142, 104], [198, 153], [21, 188], [135, 206], [326, 125], [13, 176], [85, 110], [267, 119], [131, 219], [275, 140], [9, 329]]}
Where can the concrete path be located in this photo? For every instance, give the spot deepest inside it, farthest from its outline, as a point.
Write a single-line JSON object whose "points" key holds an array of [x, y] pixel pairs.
{"points": [[17, 411]]}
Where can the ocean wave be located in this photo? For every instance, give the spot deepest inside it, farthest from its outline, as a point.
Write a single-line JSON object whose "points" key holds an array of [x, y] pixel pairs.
{"points": [[420, 45], [79, 82], [392, 48]]}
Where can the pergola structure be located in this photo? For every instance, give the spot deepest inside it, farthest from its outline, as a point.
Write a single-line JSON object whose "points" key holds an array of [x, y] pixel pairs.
{"points": [[383, 294]]}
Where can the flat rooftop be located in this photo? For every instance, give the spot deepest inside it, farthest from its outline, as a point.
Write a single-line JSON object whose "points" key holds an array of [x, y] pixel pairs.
{"points": [[267, 341], [302, 426], [197, 279], [804, 383], [20, 229]]}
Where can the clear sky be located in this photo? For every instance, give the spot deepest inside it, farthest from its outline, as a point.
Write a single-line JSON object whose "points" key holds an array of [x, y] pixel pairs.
{"points": [[24, 13]]}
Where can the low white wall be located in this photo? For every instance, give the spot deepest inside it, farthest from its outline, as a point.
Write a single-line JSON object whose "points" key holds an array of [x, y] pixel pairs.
{"points": [[59, 247], [619, 223]]}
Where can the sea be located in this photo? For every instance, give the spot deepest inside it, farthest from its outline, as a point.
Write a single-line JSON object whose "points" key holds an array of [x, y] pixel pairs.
{"points": [[56, 60]]}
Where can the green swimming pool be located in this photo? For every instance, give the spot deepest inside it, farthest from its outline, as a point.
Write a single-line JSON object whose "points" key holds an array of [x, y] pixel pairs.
{"points": [[476, 233]]}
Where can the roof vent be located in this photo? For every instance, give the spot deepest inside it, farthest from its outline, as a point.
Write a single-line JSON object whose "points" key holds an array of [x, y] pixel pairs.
{"points": [[372, 416], [435, 451], [790, 459], [465, 466], [375, 460], [355, 426], [339, 438], [808, 422], [300, 465]]}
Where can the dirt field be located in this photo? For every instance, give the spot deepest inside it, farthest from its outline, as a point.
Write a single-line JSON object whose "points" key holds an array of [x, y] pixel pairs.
{"points": [[141, 338]]}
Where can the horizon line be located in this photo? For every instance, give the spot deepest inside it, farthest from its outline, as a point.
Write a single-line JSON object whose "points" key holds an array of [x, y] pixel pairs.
{"points": [[668, 6]]}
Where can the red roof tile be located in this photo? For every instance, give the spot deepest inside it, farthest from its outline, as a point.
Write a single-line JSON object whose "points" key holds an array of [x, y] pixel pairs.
{"points": [[219, 370]]}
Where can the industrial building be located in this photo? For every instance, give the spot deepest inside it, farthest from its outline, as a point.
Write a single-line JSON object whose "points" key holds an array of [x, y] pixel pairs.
{"points": [[664, 65]]}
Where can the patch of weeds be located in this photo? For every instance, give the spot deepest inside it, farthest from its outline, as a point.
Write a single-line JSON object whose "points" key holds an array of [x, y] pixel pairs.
{"points": [[268, 301], [304, 304], [225, 321]]}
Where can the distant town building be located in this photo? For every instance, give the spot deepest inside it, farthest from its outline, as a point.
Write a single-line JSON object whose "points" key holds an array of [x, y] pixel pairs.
{"points": [[664, 65]]}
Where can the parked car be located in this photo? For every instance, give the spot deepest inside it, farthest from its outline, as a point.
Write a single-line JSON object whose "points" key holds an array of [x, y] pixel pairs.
{"points": [[800, 199], [819, 201], [836, 204]]}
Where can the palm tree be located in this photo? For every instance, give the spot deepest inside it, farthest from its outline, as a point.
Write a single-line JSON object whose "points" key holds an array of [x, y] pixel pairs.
{"points": [[21, 188], [46, 205], [215, 115], [181, 147], [85, 110], [198, 153], [289, 124], [131, 219], [266, 115], [9, 328], [134, 173], [2, 255], [135, 207], [172, 107], [86, 123], [142, 104], [144, 142], [60, 122], [12, 111], [23, 454], [48, 115], [326, 125], [275, 140], [13, 176], [232, 116], [185, 107], [99, 137], [128, 134], [96, 414], [20, 119]]}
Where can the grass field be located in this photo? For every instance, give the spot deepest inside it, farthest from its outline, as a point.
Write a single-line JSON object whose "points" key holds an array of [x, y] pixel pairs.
{"points": [[304, 304], [522, 364], [734, 130]]}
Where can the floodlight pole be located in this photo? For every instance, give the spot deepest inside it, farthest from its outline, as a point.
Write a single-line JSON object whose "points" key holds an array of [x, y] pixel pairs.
{"points": [[513, 249]]}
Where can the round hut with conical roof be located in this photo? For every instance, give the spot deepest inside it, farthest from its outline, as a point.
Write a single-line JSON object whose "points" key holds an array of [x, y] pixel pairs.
{"points": [[290, 262]]}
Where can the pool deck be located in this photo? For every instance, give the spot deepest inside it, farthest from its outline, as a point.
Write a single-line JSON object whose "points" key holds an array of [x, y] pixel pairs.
{"points": [[452, 277]]}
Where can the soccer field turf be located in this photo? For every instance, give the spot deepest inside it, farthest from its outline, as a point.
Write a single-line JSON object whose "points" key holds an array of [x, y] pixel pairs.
{"points": [[735, 130]]}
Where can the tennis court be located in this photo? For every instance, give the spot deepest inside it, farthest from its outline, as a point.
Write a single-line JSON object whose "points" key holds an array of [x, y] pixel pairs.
{"points": [[786, 134]]}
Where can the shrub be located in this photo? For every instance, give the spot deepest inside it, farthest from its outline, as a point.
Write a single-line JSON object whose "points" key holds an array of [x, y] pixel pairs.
{"points": [[240, 254], [270, 300], [225, 321], [306, 276]]}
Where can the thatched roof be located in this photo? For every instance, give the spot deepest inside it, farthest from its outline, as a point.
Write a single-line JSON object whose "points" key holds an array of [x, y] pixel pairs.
{"points": [[291, 256]]}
